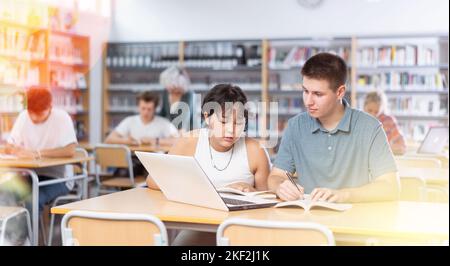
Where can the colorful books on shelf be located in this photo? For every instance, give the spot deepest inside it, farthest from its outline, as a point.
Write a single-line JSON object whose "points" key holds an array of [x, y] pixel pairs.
{"points": [[406, 81], [297, 55], [398, 55]]}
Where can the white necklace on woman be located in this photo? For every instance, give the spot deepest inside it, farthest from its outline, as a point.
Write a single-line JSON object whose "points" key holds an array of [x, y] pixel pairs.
{"points": [[212, 160]]}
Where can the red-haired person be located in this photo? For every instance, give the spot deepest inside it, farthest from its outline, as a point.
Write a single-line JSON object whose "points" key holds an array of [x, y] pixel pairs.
{"points": [[43, 131]]}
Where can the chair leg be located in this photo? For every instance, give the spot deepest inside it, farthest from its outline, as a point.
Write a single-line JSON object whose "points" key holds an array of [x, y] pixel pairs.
{"points": [[41, 221], [50, 231]]}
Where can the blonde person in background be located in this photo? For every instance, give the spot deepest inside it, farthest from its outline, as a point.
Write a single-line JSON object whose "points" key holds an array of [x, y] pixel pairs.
{"points": [[177, 95], [375, 104]]}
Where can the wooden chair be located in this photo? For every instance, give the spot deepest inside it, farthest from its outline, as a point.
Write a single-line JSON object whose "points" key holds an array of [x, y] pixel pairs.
{"points": [[117, 156], [85, 228], [76, 193], [416, 162], [413, 189], [248, 232]]}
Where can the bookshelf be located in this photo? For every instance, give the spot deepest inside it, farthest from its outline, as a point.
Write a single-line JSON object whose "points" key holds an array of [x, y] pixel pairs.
{"points": [[33, 54], [131, 68], [413, 71]]}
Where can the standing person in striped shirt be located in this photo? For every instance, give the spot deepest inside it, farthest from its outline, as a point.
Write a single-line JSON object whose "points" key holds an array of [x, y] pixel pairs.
{"points": [[376, 104]]}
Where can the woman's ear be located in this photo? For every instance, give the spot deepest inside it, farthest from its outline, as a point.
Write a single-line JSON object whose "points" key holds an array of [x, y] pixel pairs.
{"points": [[206, 117]]}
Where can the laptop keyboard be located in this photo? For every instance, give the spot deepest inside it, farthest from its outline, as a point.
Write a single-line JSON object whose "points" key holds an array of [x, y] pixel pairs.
{"points": [[236, 201]]}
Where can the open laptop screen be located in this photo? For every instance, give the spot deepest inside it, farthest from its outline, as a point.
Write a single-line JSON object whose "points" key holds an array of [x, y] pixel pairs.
{"points": [[435, 140]]}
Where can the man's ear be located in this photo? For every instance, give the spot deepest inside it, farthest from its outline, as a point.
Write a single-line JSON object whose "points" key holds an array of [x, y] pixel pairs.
{"points": [[341, 92]]}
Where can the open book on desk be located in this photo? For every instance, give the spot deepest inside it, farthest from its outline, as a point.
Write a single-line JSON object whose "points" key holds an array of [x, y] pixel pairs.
{"points": [[308, 204], [261, 194]]}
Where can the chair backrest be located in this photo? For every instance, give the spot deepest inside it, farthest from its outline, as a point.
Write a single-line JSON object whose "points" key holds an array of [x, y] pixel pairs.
{"points": [[108, 155], [248, 232], [80, 152], [406, 162], [413, 189], [85, 228]]}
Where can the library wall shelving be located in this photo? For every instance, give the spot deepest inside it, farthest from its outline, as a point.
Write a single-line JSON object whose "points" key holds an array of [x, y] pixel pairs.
{"points": [[134, 67], [412, 70], [34, 53]]}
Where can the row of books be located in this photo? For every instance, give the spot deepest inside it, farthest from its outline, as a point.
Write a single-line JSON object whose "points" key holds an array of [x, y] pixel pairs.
{"points": [[403, 81], [22, 44], [63, 77], [24, 12], [229, 54], [410, 105], [280, 57], [19, 73], [63, 49], [141, 55], [407, 55], [11, 103]]}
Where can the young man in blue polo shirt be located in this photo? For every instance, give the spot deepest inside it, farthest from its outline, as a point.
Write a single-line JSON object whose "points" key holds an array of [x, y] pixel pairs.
{"points": [[340, 154]]}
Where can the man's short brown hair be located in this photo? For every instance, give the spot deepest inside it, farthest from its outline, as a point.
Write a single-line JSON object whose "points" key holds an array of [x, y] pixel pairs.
{"points": [[326, 66], [148, 96]]}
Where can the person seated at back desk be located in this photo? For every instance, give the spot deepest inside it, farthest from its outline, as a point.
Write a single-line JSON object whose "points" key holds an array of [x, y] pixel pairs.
{"points": [[42, 131], [375, 104], [222, 150], [145, 128], [340, 154]]}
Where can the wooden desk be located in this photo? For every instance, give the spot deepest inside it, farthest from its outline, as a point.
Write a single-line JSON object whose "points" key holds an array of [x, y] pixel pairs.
{"points": [[145, 148], [389, 222], [28, 165], [44, 162]]}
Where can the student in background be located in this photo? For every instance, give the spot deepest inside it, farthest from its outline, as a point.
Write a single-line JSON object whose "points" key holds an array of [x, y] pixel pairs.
{"points": [[222, 150], [43, 131], [375, 104], [340, 154], [176, 82], [145, 128]]}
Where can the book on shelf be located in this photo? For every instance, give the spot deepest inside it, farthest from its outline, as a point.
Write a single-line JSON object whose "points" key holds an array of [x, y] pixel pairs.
{"points": [[307, 204]]}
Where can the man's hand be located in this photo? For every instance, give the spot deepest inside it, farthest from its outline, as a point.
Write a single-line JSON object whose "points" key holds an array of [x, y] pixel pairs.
{"points": [[326, 194], [242, 186], [287, 191], [133, 142], [148, 141], [21, 152]]}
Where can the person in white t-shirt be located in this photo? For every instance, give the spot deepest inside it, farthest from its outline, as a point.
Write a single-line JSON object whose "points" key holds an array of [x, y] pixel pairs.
{"points": [[43, 131], [145, 128]]}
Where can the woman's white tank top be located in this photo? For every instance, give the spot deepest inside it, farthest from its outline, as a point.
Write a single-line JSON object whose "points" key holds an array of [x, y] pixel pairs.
{"points": [[237, 171]]}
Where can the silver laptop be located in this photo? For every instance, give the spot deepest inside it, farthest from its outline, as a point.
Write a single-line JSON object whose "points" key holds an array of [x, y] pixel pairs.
{"points": [[182, 179], [434, 142]]}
